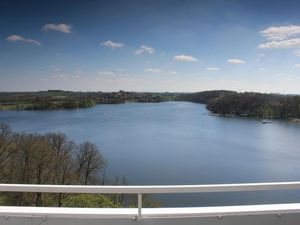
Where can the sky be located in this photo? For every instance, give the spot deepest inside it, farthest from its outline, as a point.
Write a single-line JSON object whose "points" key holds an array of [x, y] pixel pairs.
{"points": [[147, 45]]}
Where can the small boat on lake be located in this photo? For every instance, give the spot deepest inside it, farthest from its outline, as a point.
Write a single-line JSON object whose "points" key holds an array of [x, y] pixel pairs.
{"points": [[266, 121]]}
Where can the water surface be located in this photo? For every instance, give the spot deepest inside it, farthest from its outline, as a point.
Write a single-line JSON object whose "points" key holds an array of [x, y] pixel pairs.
{"points": [[179, 143]]}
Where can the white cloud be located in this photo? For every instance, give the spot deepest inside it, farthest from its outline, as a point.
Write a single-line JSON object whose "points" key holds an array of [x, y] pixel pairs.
{"points": [[280, 33], [212, 68], [297, 65], [152, 70], [112, 45], [185, 58], [281, 37], [261, 69], [291, 43], [236, 61], [17, 38], [62, 27], [159, 71], [107, 73], [144, 49]]}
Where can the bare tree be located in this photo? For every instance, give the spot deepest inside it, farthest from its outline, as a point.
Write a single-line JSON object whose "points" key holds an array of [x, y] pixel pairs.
{"points": [[46, 159], [63, 148], [6, 145], [43, 164], [89, 162]]}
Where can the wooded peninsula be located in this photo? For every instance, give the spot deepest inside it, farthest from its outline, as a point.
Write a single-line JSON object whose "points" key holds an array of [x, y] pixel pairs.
{"points": [[248, 104], [221, 102]]}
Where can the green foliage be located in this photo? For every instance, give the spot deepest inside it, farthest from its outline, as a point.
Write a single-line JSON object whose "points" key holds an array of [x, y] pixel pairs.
{"points": [[70, 104], [203, 97], [57, 99], [89, 201], [147, 202], [86, 103], [271, 106], [3, 200]]}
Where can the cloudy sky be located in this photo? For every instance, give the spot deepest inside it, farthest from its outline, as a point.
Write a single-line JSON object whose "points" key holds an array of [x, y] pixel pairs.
{"points": [[146, 45]]}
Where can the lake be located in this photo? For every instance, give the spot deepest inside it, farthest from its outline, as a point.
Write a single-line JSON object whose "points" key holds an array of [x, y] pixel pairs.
{"points": [[180, 143]]}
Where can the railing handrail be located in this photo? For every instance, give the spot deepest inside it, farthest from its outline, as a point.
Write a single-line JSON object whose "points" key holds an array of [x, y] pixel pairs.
{"points": [[152, 189], [140, 190]]}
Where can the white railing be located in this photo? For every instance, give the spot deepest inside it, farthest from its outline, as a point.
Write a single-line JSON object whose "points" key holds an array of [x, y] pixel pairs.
{"points": [[140, 190]]}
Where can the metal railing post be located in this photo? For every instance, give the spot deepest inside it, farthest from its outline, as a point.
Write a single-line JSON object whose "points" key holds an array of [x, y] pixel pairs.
{"points": [[140, 200]]}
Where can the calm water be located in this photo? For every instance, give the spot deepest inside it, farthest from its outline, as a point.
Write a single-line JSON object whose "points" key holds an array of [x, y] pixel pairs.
{"points": [[179, 143]]}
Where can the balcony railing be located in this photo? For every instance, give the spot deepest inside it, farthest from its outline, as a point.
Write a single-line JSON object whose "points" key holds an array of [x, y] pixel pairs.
{"points": [[137, 214]]}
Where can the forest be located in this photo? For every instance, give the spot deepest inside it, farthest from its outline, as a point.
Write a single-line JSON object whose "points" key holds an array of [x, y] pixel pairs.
{"points": [[53, 158], [251, 104]]}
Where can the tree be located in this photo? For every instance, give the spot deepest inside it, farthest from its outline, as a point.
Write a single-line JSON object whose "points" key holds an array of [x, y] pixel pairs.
{"points": [[6, 144], [42, 165], [63, 149], [54, 159], [89, 163]]}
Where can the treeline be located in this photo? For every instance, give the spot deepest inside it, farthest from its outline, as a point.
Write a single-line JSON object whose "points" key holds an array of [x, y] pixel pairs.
{"points": [[203, 97], [57, 99], [66, 104], [53, 158], [270, 106]]}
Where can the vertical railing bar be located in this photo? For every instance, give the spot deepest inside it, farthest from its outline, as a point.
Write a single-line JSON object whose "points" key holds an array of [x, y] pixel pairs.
{"points": [[140, 200]]}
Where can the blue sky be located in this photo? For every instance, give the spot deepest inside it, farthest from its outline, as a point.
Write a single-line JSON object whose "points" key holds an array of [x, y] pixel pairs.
{"points": [[144, 45]]}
